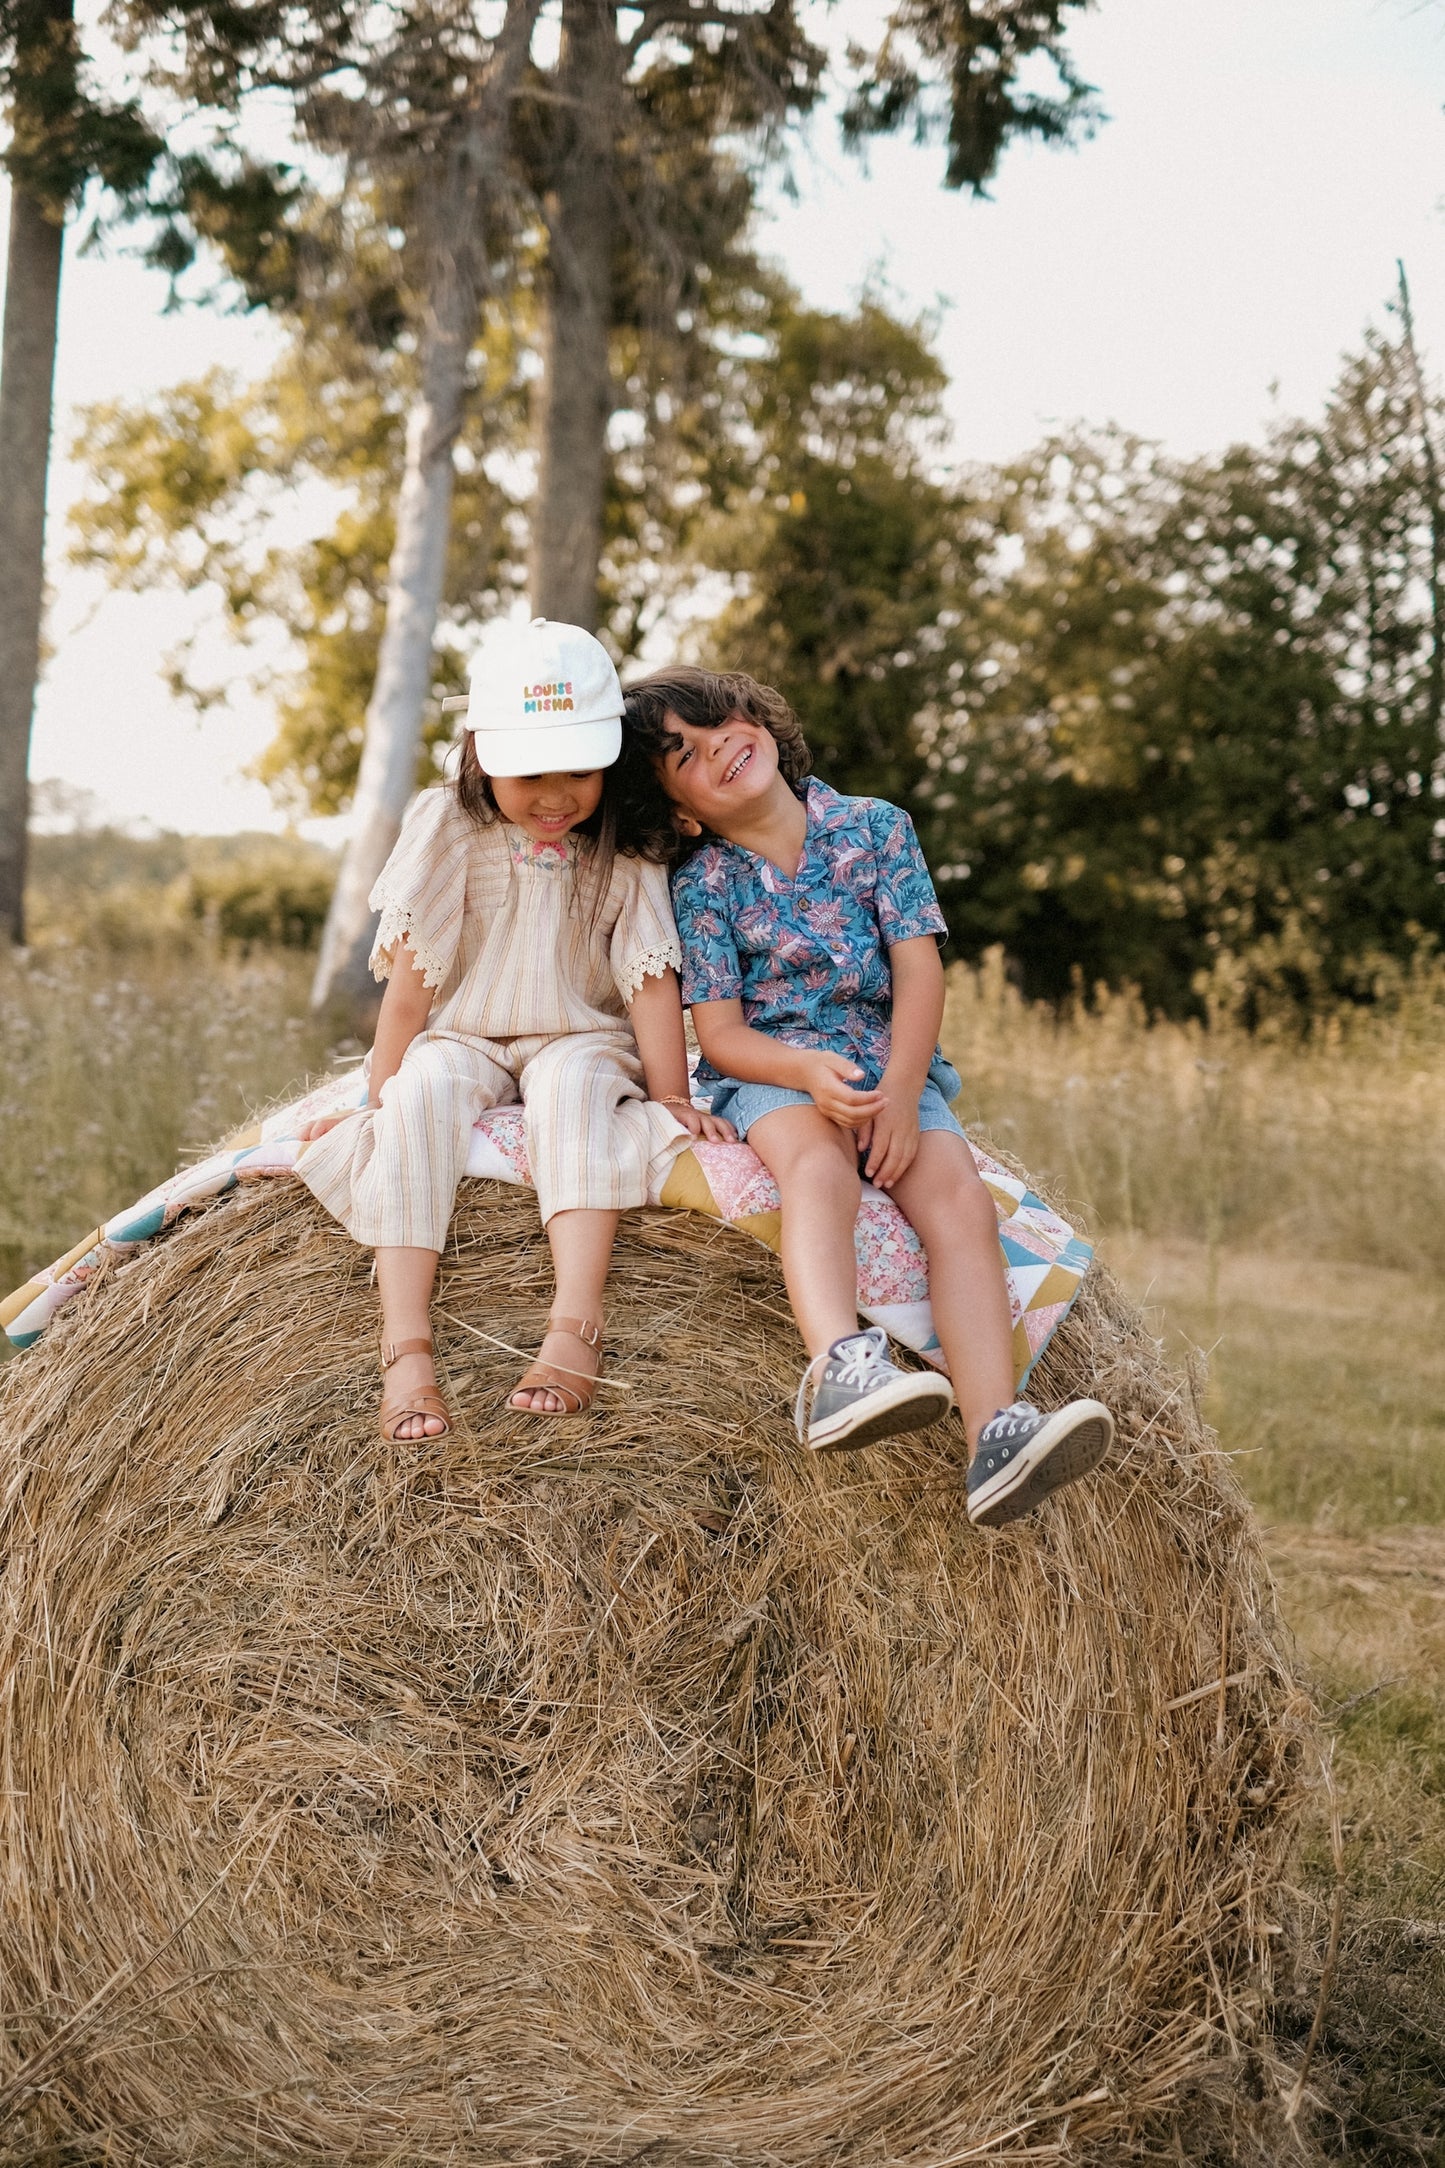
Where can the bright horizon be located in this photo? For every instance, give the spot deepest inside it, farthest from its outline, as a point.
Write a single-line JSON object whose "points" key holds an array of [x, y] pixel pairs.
{"points": [[1196, 268]]}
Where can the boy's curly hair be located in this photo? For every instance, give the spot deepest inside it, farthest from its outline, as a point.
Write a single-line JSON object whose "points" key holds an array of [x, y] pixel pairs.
{"points": [[706, 699]]}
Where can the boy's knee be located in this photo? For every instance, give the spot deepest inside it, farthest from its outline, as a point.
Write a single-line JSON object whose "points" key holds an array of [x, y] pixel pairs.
{"points": [[958, 1192], [821, 1165], [975, 1207]]}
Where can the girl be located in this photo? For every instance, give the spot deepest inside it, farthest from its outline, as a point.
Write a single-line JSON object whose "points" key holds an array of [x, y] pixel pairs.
{"points": [[530, 954]]}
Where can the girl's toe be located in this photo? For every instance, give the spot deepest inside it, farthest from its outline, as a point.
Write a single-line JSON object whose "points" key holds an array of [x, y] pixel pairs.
{"points": [[535, 1400]]}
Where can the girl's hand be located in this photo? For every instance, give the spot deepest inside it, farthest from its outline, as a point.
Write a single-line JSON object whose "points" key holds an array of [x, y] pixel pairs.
{"points": [[828, 1083], [709, 1128], [891, 1144], [320, 1123]]}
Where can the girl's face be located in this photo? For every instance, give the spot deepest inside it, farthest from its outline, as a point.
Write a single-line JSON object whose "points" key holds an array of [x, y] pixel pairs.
{"points": [[720, 773], [548, 807]]}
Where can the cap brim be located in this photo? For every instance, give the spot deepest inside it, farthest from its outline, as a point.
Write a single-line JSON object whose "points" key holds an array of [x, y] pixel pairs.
{"points": [[549, 749]]}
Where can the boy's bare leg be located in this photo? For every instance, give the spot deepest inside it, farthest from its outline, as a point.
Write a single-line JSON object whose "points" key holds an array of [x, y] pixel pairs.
{"points": [[815, 1165], [581, 1245], [944, 1198], [404, 1279]]}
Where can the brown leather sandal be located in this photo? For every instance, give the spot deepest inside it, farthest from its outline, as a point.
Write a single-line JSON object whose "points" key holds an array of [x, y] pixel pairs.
{"points": [[427, 1404], [555, 1377]]}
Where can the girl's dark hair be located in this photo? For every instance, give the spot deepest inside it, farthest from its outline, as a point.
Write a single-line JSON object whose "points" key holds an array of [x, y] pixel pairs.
{"points": [[706, 699], [612, 828]]}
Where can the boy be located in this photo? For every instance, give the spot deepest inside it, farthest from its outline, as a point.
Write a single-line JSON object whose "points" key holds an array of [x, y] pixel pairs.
{"points": [[809, 929]]}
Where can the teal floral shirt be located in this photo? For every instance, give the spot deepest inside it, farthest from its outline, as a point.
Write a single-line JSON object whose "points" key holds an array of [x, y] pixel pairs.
{"points": [[808, 957]]}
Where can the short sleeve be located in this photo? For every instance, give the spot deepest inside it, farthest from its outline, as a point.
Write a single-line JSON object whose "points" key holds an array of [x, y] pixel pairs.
{"points": [[421, 891], [711, 970], [907, 901], [644, 939]]}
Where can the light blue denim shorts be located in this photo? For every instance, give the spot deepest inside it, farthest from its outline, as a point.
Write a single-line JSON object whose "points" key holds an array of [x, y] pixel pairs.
{"points": [[744, 1104]]}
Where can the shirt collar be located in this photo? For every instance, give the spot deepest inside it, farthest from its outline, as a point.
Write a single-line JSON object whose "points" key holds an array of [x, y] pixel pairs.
{"points": [[826, 809]]}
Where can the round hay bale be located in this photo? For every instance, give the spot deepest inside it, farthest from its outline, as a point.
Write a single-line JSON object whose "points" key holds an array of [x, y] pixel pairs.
{"points": [[592, 1791]]}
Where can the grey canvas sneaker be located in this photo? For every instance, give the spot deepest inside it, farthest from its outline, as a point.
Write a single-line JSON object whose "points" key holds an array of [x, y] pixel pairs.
{"points": [[859, 1395], [1023, 1455]]}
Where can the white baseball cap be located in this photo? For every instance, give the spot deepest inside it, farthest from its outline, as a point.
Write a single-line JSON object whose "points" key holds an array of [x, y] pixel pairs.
{"points": [[544, 698]]}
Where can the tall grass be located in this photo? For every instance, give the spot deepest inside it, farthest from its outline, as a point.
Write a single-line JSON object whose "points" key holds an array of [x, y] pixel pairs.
{"points": [[162, 1000], [117, 1065], [1330, 1140], [133, 1034]]}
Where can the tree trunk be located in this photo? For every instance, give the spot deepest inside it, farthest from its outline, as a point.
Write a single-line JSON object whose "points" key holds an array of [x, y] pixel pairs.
{"points": [[27, 376], [469, 189], [394, 713], [576, 393], [1435, 509]]}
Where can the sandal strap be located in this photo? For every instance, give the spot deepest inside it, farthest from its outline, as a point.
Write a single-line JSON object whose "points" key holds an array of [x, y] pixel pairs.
{"points": [[391, 1350], [542, 1378], [419, 1407], [581, 1328], [548, 1377], [414, 1405]]}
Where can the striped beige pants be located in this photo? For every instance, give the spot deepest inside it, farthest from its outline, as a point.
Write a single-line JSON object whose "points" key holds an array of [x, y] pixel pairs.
{"points": [[594, 1140]]}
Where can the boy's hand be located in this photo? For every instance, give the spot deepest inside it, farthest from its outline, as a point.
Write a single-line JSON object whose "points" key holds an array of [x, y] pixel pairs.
{"points": [[829, 1080], [891, 1143], [708, 1128]]}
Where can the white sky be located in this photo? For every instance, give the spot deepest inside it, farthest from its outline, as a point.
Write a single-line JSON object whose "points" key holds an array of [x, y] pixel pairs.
{"points": [[1230, 229]]}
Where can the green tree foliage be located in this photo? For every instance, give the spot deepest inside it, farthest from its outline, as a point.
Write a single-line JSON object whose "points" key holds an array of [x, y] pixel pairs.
{"points": [[64, 132], [976, 73], [851, 557], [192, 488], [1170, 724], [61, 137], [786, 447], [1199, 746]]}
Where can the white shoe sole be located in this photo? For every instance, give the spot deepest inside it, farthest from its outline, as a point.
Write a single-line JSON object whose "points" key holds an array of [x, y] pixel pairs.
{"points": [[910, 1403], [1068, 1446]]}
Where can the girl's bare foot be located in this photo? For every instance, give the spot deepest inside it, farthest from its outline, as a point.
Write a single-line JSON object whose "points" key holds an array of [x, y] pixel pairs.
{"points": [[411, 1406], [562, 1379]]}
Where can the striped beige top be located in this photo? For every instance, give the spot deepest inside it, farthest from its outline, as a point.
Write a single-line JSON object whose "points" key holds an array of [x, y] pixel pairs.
{"points": [[502, 926]]}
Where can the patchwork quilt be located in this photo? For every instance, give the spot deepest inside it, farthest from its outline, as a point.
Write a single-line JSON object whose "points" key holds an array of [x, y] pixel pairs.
{"points": [[1044, 1259]]}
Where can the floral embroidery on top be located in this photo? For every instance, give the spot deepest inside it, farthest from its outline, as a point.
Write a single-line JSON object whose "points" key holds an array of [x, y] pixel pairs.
{"points": [[534, 851], [808, 957]]}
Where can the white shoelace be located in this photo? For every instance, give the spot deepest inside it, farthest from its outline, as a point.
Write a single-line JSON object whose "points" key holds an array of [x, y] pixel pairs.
{"points": [[1010, 1420], [856, 1369]]}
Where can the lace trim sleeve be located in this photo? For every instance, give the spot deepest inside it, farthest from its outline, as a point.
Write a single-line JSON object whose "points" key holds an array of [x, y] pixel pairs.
{"points": [[398, 923], [648, 963]]}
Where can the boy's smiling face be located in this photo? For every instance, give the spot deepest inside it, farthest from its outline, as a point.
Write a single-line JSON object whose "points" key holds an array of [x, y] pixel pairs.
{"points": [[721, 777]]}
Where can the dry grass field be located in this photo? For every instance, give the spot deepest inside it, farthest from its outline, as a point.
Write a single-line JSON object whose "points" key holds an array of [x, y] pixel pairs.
{"points": [[1276, 1202], [132, 1034], [1328, 1382]]}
